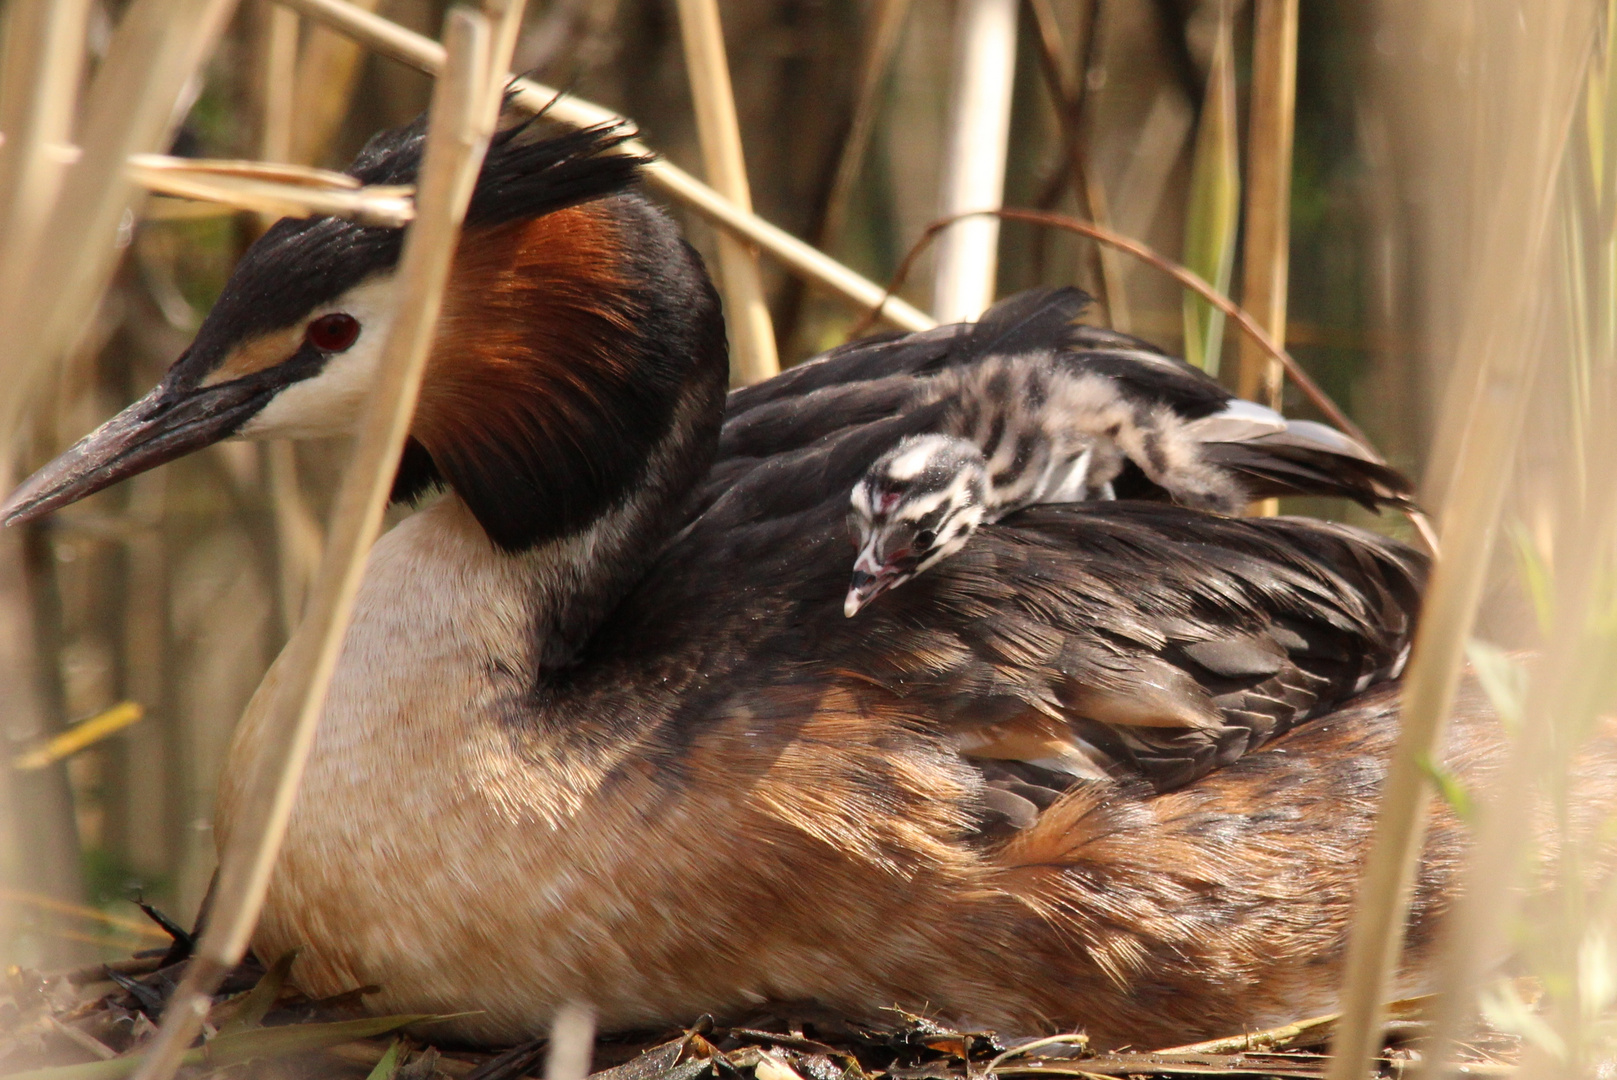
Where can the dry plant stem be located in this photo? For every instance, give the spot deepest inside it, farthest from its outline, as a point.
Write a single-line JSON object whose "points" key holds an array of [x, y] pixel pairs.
{"points": [[1028, 1047], [803, 259], [278, 72], [572, 1042], [1270, 1039], [1558, 702], [1118, 309], [81, 735], [974, 159], [460, 122], [42, 62], [745, 307], [886, 22], [328, 66], [387, 206], [1499, 338], [298, 535], [158, 46], [1268, 192], [1267, 247], [26, 898]]}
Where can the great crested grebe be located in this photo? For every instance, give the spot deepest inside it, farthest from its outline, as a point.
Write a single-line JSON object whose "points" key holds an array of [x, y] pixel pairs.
{"points": [[1060, 426], [601, 732]]}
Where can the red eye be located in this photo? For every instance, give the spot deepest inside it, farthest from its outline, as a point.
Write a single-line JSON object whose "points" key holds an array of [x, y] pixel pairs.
{"points": [[334, 332]]}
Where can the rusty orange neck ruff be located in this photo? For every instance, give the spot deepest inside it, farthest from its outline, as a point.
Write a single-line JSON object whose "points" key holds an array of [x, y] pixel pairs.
{"points": [[575, 389]]}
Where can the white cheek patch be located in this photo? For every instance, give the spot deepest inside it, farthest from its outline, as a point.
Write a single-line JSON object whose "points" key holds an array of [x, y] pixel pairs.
{"points": [[330, 402]]}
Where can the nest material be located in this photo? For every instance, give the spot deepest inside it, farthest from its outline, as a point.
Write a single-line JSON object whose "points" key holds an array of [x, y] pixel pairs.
{"points": [[263, 1026]]}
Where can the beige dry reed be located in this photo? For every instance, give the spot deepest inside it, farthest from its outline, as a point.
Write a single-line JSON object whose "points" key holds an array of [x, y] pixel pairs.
{"points": [[746, 308], [461, 120]]}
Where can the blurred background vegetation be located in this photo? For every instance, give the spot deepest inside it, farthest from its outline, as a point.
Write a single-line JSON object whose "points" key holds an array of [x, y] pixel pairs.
{"points": [[176, 589]]}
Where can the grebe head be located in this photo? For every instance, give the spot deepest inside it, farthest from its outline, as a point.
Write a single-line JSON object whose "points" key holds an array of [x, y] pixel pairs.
{"points": [[917, 504], [576, 333]]}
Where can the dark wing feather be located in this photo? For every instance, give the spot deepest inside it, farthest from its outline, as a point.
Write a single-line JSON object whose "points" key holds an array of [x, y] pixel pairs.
{"points": [[1291, 463]]}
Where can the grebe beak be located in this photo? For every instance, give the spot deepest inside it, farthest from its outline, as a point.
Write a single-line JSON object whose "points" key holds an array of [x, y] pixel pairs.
{"points": [[163, 425]]}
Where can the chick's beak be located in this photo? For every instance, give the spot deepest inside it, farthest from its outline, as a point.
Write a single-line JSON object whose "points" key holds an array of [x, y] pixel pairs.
{"points": [[163, 425], [870, 580]]}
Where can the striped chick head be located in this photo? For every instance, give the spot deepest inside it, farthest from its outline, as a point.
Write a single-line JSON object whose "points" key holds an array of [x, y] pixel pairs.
{"points": [[916, 505]]}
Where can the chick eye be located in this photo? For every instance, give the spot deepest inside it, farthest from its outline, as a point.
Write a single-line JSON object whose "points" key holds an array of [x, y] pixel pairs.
{"points": [[333, 333], [925, 538]]}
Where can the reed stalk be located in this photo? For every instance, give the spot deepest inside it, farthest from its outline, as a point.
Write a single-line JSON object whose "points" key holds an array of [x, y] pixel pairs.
{"points": [[746, 309], [328, 67], [274, 190], [1267, 243], [277, 81], [298, 535], [157, 49], [39, 85], [1573, 683], [1067, 83], [461, 120], [978, 136], [815, 266], [1529, 99]]}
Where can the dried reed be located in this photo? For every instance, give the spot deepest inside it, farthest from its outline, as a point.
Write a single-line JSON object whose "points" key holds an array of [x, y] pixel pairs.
{"points": [[1266, 246], [974, 159], [158, 47], [746, 309], [274, 190], [461, 120], [1528, 99]]}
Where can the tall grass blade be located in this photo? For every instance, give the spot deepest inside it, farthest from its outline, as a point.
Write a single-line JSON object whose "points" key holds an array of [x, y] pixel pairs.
{"points": [[1215, 201]]}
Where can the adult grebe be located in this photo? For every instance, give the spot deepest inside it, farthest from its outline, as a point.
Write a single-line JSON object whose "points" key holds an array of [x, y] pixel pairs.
{"points": [[600, 730]]}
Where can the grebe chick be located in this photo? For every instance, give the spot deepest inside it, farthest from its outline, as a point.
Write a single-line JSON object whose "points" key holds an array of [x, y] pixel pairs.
{"points": [[919, 504], [1029, 429]]}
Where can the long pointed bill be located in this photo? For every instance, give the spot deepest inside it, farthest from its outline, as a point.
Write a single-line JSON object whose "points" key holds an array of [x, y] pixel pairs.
{"points": [[159, 427]]}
